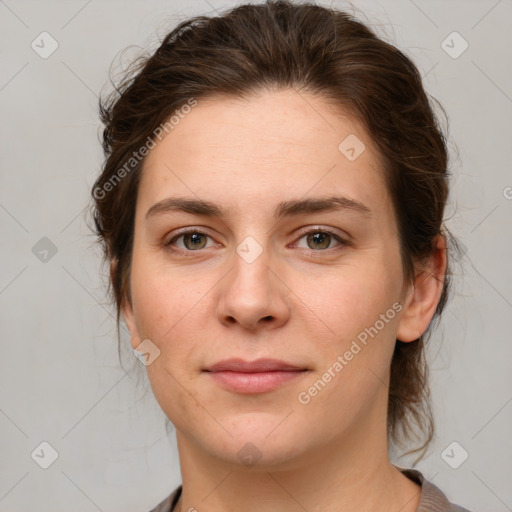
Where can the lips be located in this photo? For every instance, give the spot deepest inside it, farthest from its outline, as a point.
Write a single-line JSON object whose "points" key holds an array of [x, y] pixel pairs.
{"points": [[260, 376], [258, 366]]}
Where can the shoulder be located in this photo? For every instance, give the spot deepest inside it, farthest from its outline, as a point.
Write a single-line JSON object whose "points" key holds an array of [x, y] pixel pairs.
{"points": [[169, 503], [432, 499]]}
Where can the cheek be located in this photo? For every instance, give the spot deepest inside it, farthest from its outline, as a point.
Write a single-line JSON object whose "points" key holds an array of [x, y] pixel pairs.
{"points": [[352, 300], [170, 313], [164, 301], [353, 364], [174, 310], [360, 308]]}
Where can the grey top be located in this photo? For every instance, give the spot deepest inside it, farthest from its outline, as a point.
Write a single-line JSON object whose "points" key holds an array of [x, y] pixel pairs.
{"points": [[432, 498]]}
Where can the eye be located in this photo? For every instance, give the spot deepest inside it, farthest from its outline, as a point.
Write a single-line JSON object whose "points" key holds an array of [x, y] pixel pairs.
{"points": [[321, 240], [192, 240]]}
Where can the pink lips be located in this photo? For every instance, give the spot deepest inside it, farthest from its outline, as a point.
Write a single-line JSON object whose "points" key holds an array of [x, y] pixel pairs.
{"points": [[253, 376]]}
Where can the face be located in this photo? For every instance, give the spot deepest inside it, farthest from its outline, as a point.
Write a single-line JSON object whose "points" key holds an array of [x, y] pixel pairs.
{"points": [[257, 265]]}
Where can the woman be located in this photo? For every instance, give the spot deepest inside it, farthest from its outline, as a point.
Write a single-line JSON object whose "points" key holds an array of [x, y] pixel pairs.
{"points": [[271, 206]]}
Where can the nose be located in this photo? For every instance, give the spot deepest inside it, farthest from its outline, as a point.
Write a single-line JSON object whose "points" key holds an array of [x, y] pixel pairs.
{"points": [[253, 294]]}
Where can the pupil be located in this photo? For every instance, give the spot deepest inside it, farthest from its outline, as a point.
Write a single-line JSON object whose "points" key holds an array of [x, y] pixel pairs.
{"points": [[319, 238], [195, 239]]}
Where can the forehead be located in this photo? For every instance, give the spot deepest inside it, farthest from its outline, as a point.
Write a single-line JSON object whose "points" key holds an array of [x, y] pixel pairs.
{"points": [[265, 148]]}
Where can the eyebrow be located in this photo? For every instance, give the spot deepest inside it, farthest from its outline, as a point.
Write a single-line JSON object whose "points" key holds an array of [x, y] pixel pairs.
{"points": [[283, 209]]}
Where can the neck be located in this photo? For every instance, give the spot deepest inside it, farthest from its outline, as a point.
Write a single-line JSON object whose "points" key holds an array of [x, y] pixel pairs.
{"points": [[352, 474]]}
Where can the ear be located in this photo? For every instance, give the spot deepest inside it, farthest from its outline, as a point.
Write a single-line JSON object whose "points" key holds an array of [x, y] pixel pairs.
{"points": [[127, 312], [423, 295]]}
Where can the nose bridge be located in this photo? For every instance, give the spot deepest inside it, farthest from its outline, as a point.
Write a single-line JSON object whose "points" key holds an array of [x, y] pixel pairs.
{"points": [[252, 294]]}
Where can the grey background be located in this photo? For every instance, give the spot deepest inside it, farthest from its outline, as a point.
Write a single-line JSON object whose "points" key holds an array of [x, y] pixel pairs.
{"points": [[60, 377]]}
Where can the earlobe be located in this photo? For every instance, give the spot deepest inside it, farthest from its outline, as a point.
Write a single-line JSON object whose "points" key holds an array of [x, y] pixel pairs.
{"points": [[129, 319], [127, 312], [423, 295]]}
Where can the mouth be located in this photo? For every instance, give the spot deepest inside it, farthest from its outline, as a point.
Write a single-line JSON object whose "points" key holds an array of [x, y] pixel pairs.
{"points": [[258, 376]]}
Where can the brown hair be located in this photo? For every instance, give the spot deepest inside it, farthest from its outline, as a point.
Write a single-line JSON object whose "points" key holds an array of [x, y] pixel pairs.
{"points": [[281, 45]]}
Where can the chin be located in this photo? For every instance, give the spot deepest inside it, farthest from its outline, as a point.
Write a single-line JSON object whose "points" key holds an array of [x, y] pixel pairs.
{"points": [[257, 445]]}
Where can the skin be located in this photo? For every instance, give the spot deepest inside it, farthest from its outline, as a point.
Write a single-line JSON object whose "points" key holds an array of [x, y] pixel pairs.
{"points": [[300, 301]]}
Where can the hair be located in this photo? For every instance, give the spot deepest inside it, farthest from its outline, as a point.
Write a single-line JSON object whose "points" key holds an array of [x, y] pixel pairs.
{"points": [[278, 45]]}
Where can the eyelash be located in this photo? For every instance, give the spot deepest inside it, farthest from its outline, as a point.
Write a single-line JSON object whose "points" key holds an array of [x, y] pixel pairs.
{"points": [[168, 245]]}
